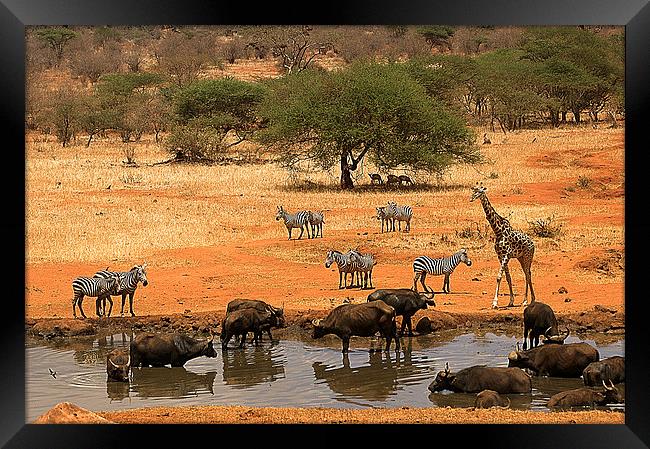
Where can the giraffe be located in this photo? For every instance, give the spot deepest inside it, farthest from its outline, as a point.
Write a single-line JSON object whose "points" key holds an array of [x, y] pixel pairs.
{"points": [[509, 244]]}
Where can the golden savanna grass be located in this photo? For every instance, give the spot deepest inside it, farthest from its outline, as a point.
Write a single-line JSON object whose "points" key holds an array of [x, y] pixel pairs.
{"points": [[84, 205]]}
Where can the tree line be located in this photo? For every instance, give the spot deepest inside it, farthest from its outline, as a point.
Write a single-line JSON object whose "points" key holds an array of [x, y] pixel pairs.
{"points": [[396, 106]]}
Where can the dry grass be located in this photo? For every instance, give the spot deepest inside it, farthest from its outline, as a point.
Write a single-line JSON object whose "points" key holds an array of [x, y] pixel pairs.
{"points": [[84, 205]]}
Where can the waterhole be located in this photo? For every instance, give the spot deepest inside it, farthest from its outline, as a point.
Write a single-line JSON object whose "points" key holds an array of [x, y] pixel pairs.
{"points": [[285, 373]]}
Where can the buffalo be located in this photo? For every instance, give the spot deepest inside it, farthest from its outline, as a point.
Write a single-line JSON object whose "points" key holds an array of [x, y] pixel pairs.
{"points": [[362, 320], [586, 397], [405, 301], [148, 349], [555, 360], [539, 319], [478, 378], [490, 398], [260, 306], [610, 369], [242, 321], [118, 365]]}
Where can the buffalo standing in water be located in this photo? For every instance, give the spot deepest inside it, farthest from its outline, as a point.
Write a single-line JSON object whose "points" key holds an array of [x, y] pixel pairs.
{"points": [[405, 301], [555, 360], [539, 319], [241, 322], [149, 349], [479, 378], [118, 365], [260, 306], [362, 320]]}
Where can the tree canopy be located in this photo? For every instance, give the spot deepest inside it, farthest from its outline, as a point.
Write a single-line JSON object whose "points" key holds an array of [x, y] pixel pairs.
{"points": [[369, 109]]}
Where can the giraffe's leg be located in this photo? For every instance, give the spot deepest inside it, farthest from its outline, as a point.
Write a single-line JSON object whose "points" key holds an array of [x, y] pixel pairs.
{"points": [[509, 279], [504, 261], [525, 266]]}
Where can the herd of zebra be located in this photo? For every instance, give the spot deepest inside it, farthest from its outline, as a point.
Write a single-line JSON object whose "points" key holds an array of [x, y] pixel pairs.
{"points": [[103, 284], [354, 262]]}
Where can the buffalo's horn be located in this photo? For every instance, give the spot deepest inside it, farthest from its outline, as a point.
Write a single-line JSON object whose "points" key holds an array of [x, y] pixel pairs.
{"points": [[518, 349], [567, 334], [503, 407], [316, 322], [512, 355], [117, 366], [128, 362], [546, 331], [612, 384], [606, 386]]}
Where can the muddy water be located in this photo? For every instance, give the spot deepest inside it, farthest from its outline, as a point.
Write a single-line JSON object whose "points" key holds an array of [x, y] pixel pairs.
{"points": [[287, 373]]}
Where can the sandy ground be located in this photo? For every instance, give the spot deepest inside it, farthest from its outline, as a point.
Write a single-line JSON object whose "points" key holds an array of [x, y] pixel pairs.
{"points": [[404, 415], [572, 276]]}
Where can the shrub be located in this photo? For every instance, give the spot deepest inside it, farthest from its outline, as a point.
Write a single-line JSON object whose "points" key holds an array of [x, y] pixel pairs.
{"points": [[546, 228]]}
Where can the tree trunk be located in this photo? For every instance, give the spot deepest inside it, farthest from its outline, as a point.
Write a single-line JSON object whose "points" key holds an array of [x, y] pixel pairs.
{"points": [[576, 116], [346, 178]]}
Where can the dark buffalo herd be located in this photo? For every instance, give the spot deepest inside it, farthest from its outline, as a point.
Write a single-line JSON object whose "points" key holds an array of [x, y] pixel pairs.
{"points": [[377, 316], [405, 301], [361, 320]]}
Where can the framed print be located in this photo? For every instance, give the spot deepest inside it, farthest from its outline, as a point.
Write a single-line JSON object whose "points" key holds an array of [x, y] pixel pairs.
{"points": [[206, 176]]}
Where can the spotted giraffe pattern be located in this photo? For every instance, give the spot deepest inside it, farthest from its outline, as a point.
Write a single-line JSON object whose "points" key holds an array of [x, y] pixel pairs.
{"points": [[509, 244]]}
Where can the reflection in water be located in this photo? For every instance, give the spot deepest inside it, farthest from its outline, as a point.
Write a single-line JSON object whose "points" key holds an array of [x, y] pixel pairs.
{"points": [[377, 380], [117, 391], [289, 373], [252, 366], [175, 382]]}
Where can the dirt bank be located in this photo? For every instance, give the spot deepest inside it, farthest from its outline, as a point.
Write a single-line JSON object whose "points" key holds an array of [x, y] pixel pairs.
{"points": [[403, 415], [600, 320]]}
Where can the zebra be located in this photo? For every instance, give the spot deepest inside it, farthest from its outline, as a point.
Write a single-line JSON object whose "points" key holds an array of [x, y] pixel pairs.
{"points": [[364, 264], [401, 213], [344, 264], [128, 282], [386, 217], [93, 287], [424, 265], [316, 220], [298, 220]]}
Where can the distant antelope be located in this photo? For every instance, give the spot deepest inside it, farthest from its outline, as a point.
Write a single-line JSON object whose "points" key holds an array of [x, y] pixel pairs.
{"points": [[392, 179], [405, 179], [375, 177], [486, 139]]}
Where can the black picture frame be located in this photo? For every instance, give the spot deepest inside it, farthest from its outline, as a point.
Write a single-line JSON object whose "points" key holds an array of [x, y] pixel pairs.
{"points": [[15, 15]]}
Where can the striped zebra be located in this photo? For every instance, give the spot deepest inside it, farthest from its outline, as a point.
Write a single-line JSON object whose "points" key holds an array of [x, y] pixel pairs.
{"points": [[128, 282], [344, 264], [298, 220], [424, 265], [364, 264], [316, 220], [385, 217], [93, 287], [401, 213]]}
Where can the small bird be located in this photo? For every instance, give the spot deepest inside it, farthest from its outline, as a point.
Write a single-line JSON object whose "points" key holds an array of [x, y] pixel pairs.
{"points": [[52, 373]]}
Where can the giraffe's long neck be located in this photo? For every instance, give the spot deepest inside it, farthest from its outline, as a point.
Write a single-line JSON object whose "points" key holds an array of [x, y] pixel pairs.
{"points": [[497, 222]]}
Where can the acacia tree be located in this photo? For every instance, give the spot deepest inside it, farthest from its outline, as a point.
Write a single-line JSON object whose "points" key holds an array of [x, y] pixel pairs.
{"points": [[367, 110], [204, 113], [56, 39]]}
